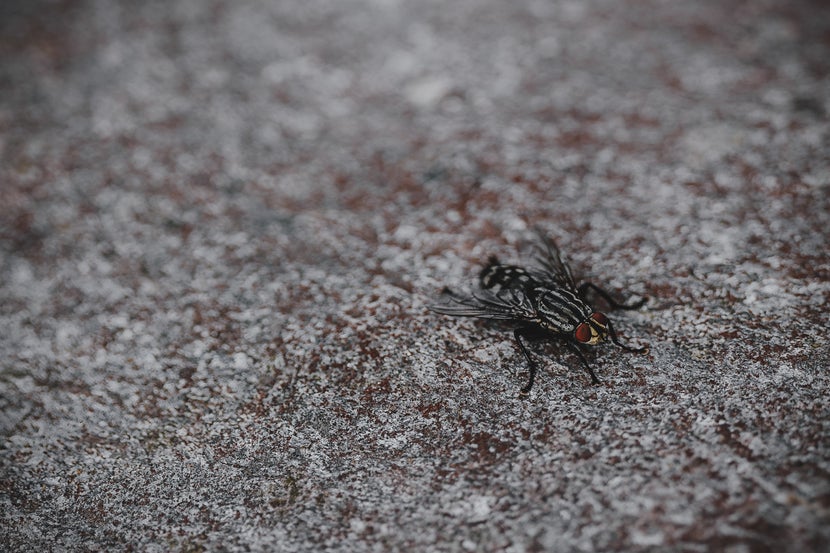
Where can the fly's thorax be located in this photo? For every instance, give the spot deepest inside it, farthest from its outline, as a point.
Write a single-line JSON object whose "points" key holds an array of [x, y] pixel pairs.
{"points": [[560, 310]]}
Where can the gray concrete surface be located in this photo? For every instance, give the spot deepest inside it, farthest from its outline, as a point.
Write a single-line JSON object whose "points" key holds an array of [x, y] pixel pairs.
{"points": [[222, 222]]}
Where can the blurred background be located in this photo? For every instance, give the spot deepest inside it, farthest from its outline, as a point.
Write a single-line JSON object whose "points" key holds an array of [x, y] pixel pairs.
{"points": [[221, 224]]}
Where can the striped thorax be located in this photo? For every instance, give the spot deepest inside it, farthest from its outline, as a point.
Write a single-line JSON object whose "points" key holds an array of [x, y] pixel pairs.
{"points": [[564, 312]]}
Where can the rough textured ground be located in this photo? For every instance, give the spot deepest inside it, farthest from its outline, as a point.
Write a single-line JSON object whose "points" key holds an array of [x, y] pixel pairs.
{"points": [[222, 222]]}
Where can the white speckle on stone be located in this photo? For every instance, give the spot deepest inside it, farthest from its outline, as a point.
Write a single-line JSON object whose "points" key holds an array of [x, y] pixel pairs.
{"points": [[487, 354], [709, 143], [406, 233], [428, 91], [240, 361], [818, 179], [357, 525], [646, 539], [476, 508], [395, 442]]}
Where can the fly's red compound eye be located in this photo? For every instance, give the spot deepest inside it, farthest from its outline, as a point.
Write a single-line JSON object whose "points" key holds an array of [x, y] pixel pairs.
{"points": [[583, 333], [600, 319]]}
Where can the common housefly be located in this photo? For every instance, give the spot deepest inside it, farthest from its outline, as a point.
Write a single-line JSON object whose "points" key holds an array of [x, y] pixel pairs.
{"points": [[544, 302]]}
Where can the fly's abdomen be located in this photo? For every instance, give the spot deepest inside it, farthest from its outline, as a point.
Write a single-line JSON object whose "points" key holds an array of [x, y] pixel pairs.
{"points": [[497, 276]]}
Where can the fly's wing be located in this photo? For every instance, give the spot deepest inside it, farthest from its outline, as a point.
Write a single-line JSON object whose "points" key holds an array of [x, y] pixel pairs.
{"points": [[554, 272], [507, 305]]}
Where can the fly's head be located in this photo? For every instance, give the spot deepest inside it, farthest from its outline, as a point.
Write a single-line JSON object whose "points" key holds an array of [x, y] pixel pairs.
{"points": [[592, 330]]}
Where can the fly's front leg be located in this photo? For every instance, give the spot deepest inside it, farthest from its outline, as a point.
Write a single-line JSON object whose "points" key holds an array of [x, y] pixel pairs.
{"points": [[578, 352], [613, 334], [585, 286]]}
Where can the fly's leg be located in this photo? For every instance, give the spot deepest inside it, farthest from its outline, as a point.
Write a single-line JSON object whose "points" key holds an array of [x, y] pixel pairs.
{"points": [[585, 286], [616, 341], [518, 334], [578, 352]]}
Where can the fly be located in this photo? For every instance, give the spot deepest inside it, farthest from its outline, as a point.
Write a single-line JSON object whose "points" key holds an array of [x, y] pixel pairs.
{"points": [[544, 302]]}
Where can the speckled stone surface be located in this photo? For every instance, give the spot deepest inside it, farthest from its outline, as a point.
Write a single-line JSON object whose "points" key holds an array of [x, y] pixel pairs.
{"points": [[222, 222]]}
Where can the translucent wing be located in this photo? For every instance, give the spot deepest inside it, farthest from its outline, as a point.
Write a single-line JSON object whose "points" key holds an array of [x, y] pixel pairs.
{"points": [[554, 272], [507, 305]]}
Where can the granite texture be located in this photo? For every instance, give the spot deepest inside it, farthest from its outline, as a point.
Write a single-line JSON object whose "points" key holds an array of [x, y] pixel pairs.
{"points": [[222, 222]]}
